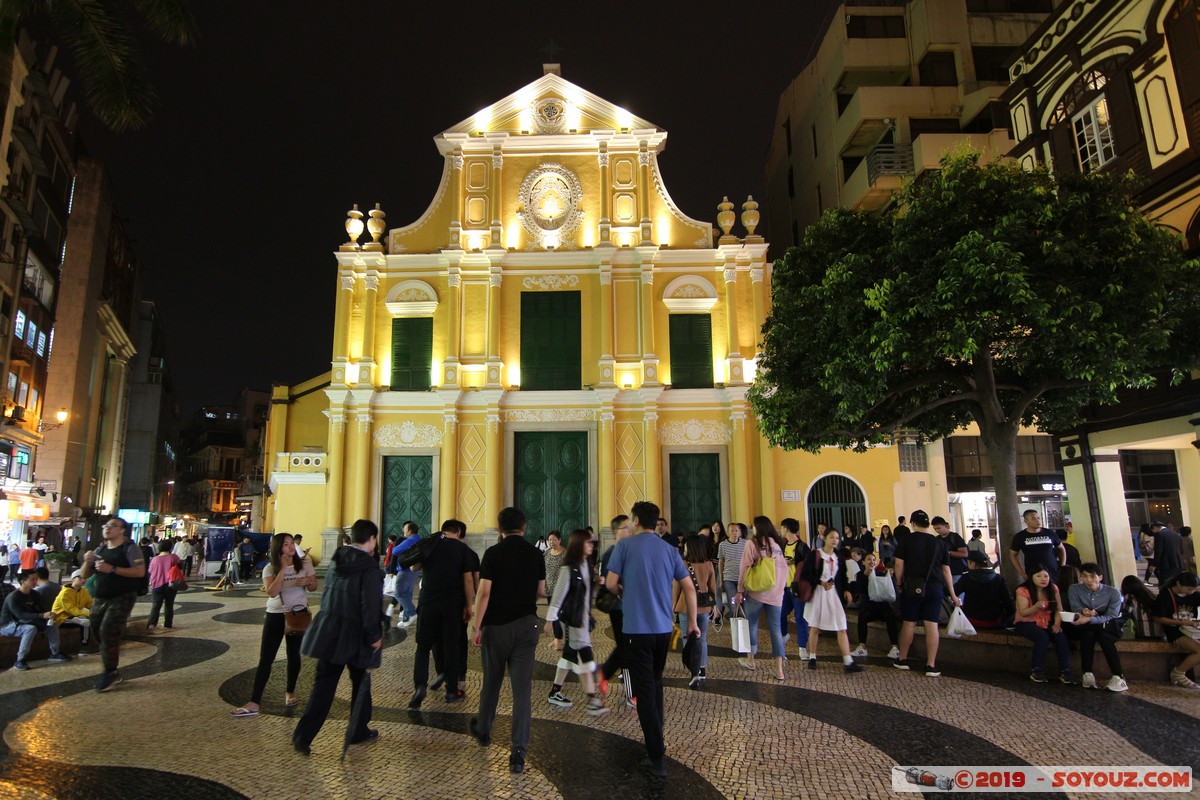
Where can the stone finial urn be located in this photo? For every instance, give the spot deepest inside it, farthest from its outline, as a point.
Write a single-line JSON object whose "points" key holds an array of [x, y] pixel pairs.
{"points": [[725, 216], [376, 224], [750, 215], [354, 225]]}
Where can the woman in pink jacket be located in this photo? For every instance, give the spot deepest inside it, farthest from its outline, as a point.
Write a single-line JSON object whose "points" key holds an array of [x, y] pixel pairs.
{"points": [[764, 543]]}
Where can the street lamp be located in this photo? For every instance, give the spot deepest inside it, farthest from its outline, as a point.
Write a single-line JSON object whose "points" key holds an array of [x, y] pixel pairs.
{"points": [[60, 418]]}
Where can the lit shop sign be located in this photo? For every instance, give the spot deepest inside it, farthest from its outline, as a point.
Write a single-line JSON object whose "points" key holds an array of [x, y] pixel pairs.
{"points": [[133, 516], [24, 509]]}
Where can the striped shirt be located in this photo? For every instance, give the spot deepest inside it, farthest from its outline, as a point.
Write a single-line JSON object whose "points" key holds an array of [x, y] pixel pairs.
{"points": [[731, 551]]}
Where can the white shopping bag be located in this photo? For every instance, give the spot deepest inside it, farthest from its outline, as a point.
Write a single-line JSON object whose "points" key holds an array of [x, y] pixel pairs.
{"points": [[739, 629], [389, 584], [959, 626], [881, 588]]}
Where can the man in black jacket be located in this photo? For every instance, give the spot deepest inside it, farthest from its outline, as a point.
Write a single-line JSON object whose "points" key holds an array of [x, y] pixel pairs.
{"points": [[347, 632]]}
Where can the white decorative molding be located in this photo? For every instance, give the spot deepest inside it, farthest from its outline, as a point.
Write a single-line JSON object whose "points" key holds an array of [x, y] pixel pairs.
{"points": [[551, 283], [549, 115], [412, 298], [757, 274], [495, 279], [408, 434], [694, 431], [371, 282], [730, 275], [550, 198], [647, 275], [690, 294], [602, 158], [307, 459], [364, 421], [456, 161], [643, 159], [493, 423], [497, 161], [347, 283], [550, 415]]}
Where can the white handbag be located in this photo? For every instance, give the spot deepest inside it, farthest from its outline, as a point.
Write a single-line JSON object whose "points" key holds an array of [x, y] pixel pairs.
{"points": [[959, 626], [739, 630], [881, 588], [389, 584]]}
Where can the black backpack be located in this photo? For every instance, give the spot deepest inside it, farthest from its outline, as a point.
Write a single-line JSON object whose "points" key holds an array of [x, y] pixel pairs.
{"points": [[420, 552]]}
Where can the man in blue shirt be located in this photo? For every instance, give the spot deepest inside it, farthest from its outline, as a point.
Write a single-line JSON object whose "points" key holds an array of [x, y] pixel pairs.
{"points": [[643, 570]]}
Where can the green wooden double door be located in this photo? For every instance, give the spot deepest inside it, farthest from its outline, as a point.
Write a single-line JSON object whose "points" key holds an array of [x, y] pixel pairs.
{"points": [[550, 483], [407, 493], [695, 491]]}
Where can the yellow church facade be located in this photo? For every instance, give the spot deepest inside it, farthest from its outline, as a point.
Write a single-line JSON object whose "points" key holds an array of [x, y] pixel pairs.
{"points": [[552, 333]]}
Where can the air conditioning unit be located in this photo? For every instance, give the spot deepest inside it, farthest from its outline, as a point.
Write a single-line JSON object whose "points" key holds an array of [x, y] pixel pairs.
{"points": [[18, 414]]}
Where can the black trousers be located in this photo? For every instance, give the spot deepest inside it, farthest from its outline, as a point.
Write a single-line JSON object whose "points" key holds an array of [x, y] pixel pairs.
{"points": [[321, 699], [439, 656], [273, 627], [868, 614], [1091, 635], [645, 658], [442, 625], [160, 596], [616, 659]]}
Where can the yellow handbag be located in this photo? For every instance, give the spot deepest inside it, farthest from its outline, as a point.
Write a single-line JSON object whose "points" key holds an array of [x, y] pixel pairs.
{"points": [[761, 575]]}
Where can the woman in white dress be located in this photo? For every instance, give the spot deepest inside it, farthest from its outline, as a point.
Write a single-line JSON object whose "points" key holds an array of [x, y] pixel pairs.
{"points": [[826, 573]]}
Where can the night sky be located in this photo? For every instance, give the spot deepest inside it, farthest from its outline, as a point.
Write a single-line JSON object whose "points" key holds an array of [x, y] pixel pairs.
{"points": [[280, 119]]}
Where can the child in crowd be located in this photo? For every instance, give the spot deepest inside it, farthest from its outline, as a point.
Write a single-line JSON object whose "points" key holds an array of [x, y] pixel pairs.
{"points": [[986, 601], [873, 605]]}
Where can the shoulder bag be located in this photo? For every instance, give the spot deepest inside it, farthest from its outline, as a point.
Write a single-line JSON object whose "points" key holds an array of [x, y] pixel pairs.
{"points": [[802, 588], [571, 611], [761, 575], [296, 621], [703, 599], [915, 587]]}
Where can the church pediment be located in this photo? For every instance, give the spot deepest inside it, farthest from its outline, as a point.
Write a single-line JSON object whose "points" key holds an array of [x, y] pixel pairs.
{"points": [[550, 106]]}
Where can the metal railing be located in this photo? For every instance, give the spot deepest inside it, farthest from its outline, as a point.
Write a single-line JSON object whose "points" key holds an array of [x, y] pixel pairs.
{"points": [[889, 159]]}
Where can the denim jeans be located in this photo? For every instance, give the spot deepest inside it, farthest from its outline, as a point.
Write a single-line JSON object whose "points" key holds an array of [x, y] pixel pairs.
{"points": [[1042, 638], [790, 603], [405, 581], [26, 633], [730, 593], [753, 609], [702, 620]]}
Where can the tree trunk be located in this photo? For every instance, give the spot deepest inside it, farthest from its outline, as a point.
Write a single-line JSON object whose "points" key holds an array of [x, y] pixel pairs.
{"points": [[1001, 442]]}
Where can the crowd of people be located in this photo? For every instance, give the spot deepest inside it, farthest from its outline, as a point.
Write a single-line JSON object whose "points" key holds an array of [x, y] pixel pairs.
{"points": [[657, 589]]}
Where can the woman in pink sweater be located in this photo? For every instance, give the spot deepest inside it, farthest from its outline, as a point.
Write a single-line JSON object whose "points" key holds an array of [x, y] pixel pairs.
{"points": [[764, 543]]}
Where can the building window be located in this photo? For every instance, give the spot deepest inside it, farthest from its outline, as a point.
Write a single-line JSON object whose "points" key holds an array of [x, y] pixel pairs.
{"points": [[1093, 136], [12, 386], [968, 469], [1009, 6], [862, 26], [412, 354], [551, 341], [912, 458], [19, 330], [691, 351], [41, 344], [937, 68], [23, 395], [31, 331], [33, 401]]}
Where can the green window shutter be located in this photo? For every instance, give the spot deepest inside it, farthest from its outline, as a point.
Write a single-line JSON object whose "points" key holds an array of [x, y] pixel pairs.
{"points": [[551, 341], [691, 351], [412, 353]]}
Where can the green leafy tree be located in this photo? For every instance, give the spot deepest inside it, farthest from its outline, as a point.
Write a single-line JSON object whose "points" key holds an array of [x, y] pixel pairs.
{"points": [[101, 38], [987, 294]]}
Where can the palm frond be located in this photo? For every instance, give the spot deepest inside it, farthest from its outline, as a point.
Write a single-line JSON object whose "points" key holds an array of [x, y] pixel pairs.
{"points": [[170, 20], [108, 62]]}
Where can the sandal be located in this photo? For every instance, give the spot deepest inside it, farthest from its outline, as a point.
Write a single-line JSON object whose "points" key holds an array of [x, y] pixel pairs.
{"points": [[243, 712], [291, 701]]}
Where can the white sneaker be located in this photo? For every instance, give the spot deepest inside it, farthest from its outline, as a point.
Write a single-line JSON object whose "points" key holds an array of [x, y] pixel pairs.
{"points": [[1117, 684], [804, 654], [560, 700], [860, 652], [1089, 681], [390, 611], [894, 653]]}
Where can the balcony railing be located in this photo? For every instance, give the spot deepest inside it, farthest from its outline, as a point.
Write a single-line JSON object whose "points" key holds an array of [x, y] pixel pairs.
{"points": [[889, 159]]}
